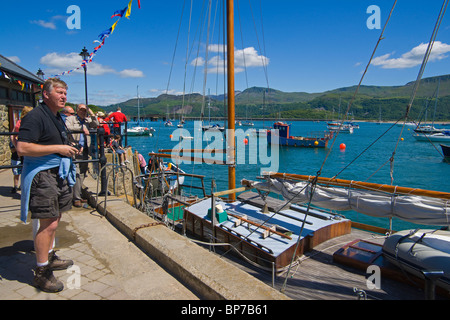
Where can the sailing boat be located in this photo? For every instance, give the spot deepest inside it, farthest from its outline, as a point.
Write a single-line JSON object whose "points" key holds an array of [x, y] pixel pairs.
{"points": [[209, 126], [139, 130], [241, 221], [274, 232], [422, 131]]}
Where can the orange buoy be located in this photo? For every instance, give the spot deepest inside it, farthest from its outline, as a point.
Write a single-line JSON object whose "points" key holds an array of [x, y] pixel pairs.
{"points": [[342, 146], [316, 143], [170, 136], [245, 140]]}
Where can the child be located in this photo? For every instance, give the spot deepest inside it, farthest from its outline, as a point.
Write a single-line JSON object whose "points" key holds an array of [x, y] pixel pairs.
{"points": [[119, 150]]}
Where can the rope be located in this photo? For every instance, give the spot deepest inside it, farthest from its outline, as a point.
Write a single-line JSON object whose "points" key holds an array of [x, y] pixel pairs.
{"points": [[148, 225], [314, 182]]}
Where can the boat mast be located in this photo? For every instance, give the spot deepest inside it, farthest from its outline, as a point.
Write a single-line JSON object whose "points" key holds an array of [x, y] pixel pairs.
{"points": [[231, 101]]}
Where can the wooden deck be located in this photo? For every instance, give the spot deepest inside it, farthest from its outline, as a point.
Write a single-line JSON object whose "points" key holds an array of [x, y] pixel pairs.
{"points": [[318, 277]]}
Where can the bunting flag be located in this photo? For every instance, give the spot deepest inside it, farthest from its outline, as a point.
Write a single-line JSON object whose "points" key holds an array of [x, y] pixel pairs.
{"points": [[120, 13], [102, 36], [127, 14], [114, 26]]}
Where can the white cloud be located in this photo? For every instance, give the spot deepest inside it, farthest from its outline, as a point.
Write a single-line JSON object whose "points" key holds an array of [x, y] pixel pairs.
{"points": [[247, 57], [14, 59], [412, 58], [44, 24], [131, 73], [61, 62]]}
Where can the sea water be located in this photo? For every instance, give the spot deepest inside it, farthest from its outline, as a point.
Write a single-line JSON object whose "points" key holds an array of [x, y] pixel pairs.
{"points": [[380, 153]]}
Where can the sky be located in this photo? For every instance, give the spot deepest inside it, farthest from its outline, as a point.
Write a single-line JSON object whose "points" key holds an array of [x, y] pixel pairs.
{"points": [[288, 45]]}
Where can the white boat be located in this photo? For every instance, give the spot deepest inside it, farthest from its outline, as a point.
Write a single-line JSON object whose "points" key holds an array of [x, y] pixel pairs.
{"points": [[443, 136], [247, 124], [337, 126], [421, 251], [427, 129], [140, 131], [168, 123], [213, 127]]}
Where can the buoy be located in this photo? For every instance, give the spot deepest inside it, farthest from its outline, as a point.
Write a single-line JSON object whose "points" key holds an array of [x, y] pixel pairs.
{"points": [[170, 136], [342, 146], [316, 143], [402, 139], [245, 140]]}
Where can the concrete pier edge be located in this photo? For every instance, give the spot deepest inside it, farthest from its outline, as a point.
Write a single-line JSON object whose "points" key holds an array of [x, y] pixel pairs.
{"points": [[211, 277]]}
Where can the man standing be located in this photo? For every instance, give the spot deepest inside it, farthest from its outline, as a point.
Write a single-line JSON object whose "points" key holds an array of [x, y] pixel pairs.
{"points": [[80, 122], [118, 117], [46, 178]]}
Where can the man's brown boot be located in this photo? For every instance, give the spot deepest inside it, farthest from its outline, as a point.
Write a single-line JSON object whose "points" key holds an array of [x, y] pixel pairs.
{"points": [[46, 281], [55, 263]]}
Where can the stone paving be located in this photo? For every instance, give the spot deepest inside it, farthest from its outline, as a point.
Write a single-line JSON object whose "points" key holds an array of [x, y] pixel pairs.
{"points": [[107, 266]]}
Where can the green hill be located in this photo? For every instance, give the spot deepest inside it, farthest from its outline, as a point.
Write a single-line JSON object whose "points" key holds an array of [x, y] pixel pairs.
{"points": [[371, 101]]}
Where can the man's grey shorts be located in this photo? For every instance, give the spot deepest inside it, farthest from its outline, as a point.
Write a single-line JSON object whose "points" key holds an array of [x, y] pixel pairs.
{"points": [[49, 195]]}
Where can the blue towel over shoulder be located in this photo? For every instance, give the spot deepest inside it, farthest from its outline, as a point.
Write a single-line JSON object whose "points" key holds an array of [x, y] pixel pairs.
{"points": [[33, 165]]}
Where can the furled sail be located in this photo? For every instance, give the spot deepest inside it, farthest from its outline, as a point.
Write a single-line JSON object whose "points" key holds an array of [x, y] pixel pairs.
{"points": [[412, 208]]}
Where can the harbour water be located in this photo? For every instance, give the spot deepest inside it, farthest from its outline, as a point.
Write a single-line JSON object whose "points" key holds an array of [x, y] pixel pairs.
{"points": [[366, 157]]}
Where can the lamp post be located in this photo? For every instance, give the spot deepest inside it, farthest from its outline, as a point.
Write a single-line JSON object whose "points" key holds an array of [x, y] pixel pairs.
{"points": [[85, 55], [40, 74]]}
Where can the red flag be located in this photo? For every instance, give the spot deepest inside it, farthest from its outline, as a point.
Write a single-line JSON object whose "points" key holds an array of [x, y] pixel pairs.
{"points": [[139, 4]]}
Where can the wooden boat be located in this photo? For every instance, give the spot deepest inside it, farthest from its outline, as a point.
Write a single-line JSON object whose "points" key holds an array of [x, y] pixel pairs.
{"points": [[275, 232], [319, 140], [420, 252], [269, 239]]}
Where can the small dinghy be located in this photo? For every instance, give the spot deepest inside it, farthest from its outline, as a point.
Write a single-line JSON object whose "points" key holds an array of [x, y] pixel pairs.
{"points": [[420, 251]]}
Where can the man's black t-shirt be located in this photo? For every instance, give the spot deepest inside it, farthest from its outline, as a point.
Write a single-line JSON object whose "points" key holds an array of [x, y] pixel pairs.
{"points": [[39, 127]]}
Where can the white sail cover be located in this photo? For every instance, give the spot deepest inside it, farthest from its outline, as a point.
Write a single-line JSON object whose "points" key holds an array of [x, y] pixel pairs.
{"points": [[416, 209]]}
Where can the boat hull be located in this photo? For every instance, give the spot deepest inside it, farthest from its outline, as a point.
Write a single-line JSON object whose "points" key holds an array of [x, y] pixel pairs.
{"points": [[304, 142], [424, 250], [445, 150], [436, 137], [270, 251]]}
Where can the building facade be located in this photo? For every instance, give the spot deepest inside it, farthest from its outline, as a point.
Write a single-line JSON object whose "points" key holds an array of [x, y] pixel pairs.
{"points": [[18, 88]]}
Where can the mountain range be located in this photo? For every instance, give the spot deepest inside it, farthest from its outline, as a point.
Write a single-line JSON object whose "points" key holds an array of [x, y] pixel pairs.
{"points": [[371, 103]]}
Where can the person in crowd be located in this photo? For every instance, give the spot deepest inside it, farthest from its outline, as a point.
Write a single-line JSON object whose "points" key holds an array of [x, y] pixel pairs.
{"points": [[47, 177], [78, 123], [118, 118], [142, 163], [104, 124], [15, 159], [66, 112], [119, 150]]}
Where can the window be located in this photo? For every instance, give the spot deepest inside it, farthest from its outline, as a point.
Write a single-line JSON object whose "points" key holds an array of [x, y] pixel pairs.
{"points": [[3, 93]]}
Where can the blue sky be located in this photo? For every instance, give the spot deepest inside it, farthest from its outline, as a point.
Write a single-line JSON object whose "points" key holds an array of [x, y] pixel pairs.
{"points": [[307, 46]]}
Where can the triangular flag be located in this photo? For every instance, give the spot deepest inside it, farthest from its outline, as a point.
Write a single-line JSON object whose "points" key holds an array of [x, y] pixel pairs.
{"points": [[114, 26], [139, 4], [128, 10], [119, 13]]}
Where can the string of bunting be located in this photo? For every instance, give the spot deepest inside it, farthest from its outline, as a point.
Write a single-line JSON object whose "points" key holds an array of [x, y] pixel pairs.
{"points": [[23, 84], [125, 12]]}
